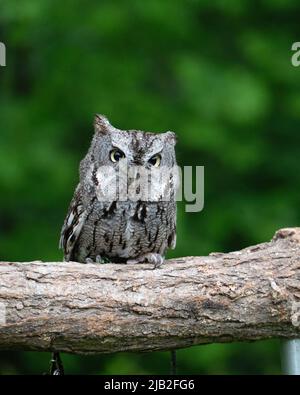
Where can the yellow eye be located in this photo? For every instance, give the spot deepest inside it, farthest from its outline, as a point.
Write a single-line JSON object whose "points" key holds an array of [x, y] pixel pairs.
{"points": [[116, 155], [155, 160]]}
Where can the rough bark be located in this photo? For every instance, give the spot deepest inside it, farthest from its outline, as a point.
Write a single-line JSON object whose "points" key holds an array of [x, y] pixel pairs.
{"points": [[244, 295]]}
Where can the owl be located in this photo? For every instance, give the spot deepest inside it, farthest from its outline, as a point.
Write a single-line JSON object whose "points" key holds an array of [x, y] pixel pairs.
{"points": [[124, 207]]}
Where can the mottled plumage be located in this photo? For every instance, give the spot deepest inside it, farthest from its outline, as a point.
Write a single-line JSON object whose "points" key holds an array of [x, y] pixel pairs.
{"points": [[124, 231]]}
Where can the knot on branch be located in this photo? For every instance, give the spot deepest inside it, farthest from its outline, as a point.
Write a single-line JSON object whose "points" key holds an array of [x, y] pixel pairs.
{"points": [[293, 234]]}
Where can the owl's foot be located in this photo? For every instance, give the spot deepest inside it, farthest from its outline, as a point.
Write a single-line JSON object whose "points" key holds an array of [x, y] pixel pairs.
{"points": [[156, 259], [99, 259]]}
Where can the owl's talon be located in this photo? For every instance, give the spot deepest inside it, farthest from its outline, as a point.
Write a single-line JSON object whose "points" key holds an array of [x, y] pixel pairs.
{"points": [[156, 259], [158, 262], [99, 259]]}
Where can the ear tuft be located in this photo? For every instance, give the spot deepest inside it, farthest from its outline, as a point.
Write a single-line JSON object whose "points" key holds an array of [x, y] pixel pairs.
{"points": [[101, 124], [171, 137]]}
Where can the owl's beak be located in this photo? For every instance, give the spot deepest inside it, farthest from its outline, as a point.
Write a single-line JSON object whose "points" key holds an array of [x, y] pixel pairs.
{"points": [[137, 162]]}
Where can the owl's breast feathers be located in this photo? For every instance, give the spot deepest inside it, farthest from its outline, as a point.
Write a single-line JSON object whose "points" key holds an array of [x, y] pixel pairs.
{"points": [[119, 230]]}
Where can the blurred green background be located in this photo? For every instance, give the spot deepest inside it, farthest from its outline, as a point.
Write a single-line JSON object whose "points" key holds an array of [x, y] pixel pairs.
{"points": [[218, 73]]}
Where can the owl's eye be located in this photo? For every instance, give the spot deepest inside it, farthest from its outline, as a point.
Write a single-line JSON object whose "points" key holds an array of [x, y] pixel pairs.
{"points": [[116, 155], [155, 160]]}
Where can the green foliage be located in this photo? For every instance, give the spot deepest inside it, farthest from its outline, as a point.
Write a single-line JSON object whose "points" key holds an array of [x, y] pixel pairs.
{"points": [[218, 73]]}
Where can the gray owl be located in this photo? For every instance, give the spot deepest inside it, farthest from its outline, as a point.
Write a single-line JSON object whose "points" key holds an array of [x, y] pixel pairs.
{"points": [[138, 228]]}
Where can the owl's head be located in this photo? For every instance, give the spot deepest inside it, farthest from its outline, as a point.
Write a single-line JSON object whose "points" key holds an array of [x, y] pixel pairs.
{"points": [[132, 164], [110, 145]]}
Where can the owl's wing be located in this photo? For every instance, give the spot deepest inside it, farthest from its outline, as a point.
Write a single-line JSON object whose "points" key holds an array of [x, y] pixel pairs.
{"points": [[172, 239], [172, 234], [72, 226]]}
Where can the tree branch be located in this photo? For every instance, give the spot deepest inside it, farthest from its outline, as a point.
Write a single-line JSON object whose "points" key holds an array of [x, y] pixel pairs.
{"points": [[244, 295]]}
